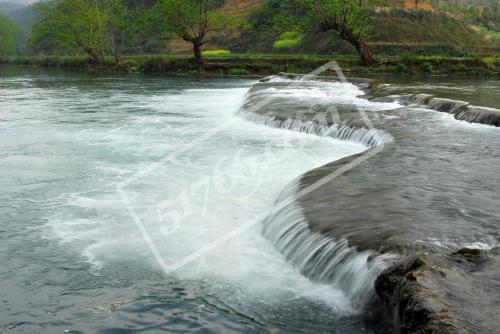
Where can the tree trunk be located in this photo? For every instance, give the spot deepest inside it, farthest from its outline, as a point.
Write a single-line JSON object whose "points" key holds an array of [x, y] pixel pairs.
{"points": [[198, 58], [364, 52], [346, 33], [93, 56], [116, 54]]}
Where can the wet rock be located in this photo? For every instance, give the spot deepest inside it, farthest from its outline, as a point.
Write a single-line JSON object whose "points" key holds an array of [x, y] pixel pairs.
{"points": [[461, 110], [437, 294], [471, 254], [482, 115], [421, 99], [402, 290], [267, 79], [394, 198], [446, 105]]}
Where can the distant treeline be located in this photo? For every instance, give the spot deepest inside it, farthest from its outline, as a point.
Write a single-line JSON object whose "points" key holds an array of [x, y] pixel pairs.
{"points": [[118, 27], [100, 29], [9, 37]]}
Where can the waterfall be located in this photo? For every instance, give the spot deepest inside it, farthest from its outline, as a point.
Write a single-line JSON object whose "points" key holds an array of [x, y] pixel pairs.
{"points": [[483, 115], [420, 99], [366, 136], [323, 259], [461, 110], [446, 105]]}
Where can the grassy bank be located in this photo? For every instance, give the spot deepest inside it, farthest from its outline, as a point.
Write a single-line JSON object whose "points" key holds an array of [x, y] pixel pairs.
{"points": [[263, 64]]}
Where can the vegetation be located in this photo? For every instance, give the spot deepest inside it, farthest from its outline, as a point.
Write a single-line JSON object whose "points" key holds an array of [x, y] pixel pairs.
{"points": [[8, 37], [392, 32], [487, 16], [96, 28], [216, 53], [288, 40], [261, 64], [348, 18], [158, 35], [194, 21]]}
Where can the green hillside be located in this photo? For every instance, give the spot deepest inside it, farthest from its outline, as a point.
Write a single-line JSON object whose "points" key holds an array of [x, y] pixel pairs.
{"points": [[394, 31]]}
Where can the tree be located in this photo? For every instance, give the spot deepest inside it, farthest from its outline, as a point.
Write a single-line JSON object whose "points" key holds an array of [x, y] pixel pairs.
{"points": [[95, 27], [126, 26], [194, 21], [9, 34], [486, 14], [71, 25], [492, 14], [349, 18], [119, 24]]}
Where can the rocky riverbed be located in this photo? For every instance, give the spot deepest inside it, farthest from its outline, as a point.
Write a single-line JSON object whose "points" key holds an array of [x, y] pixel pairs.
{"points": [[426, 192]]}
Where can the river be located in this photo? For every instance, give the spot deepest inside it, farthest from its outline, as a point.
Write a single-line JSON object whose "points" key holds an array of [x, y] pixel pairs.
{"points": [[132, 203]]}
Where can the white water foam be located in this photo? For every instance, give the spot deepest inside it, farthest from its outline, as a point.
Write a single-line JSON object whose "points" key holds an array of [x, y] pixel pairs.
{"points": [[324, 259], [255, 160], [370, 137], [337, 93], [226, 180]]}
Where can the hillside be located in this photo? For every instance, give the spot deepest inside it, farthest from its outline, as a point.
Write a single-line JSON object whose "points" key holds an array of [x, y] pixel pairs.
{"points": [[21, 12], [416, 26], [394, 32], [241, 8]]}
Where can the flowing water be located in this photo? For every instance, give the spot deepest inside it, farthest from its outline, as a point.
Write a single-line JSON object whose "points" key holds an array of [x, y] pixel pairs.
{"points": [[88, 160], [107, 181]]}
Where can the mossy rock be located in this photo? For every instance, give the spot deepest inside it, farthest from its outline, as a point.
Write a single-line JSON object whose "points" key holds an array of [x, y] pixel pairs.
{"points": [[470, 254]]}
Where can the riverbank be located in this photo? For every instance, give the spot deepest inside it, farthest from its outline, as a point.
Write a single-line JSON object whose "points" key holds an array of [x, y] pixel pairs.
{"points": [[265, 64]]}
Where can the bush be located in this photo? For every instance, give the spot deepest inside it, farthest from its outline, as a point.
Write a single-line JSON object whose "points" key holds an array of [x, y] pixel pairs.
{"points": [[286, 43], [427, 67], [401, 68], [238, 71], [216, 53], [288, 40]]}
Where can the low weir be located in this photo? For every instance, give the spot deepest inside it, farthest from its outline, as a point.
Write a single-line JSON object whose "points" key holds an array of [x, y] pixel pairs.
{"points": [[461, 110], [420, 191], [323, 259]]}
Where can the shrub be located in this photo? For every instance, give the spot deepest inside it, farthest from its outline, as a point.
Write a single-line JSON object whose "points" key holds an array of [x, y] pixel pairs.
{"points": [[401, 68], [427, 67], [238, 71], [288, 40], [286, 43], [360, 70]]}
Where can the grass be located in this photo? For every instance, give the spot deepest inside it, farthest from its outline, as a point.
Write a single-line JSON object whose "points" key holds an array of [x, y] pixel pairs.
{"points": [[238, 71], [216, 53], [286, 43]]}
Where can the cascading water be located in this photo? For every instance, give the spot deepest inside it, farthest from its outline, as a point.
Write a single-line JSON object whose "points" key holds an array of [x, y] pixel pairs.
{"points": [[74, 260], [69, 140], [323, 259], [460, 110], [366, 136], [446, 105], [319, 258], [287, 104]]}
